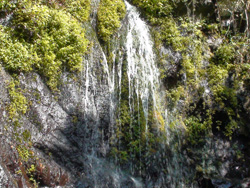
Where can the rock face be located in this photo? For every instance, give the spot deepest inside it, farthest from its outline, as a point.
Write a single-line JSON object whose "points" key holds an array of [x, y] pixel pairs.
{"points": [[5, 180], [66, 128]]}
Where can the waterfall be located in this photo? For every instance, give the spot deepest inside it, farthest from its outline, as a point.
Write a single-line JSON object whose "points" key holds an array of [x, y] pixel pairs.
{"points": [[142, 71], [137, 62], [144, 85], [111, 85]]}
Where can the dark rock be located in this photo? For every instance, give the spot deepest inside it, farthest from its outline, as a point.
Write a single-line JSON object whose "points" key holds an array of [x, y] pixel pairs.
{"points": [[206, 183], [221, 184]]}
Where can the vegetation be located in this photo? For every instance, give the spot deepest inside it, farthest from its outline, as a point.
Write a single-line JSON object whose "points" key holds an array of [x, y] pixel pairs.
{"points": [[44, 39], [197, 130], [201, 61], [19, 103], [154, 9], [77, 8], [109, 15]]}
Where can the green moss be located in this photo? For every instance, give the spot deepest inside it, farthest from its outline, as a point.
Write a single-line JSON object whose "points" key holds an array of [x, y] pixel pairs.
{"points": [[74, 119], [44, 39], [197, 129], [154, 9], [80, 9], [109, 15], [213, 28], [188, 38], [224, 54], [227, 103], [18, 104], [26, 135], [122, 155], [230, 128], [17, 56], [171, 34], [217, 76], [174, 95], [159, 121], [24, 153]]}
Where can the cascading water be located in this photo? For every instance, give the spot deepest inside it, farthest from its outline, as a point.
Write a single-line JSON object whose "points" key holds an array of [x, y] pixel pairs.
{"points": [[144, 90], [98, 171], [142, 71], [143, 85]]}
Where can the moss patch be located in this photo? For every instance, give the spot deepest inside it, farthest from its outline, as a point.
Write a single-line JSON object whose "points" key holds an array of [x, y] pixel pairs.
{"points": [[109, 15], [44, 39]]}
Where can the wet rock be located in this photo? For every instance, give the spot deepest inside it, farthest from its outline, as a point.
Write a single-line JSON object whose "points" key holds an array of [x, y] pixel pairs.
{"points": [[171, 61], [221, 184], [214, 43]]}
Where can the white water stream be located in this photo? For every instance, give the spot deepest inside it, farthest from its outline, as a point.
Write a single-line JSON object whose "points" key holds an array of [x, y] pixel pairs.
{"points": [[143, 86], [142, 72]]}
